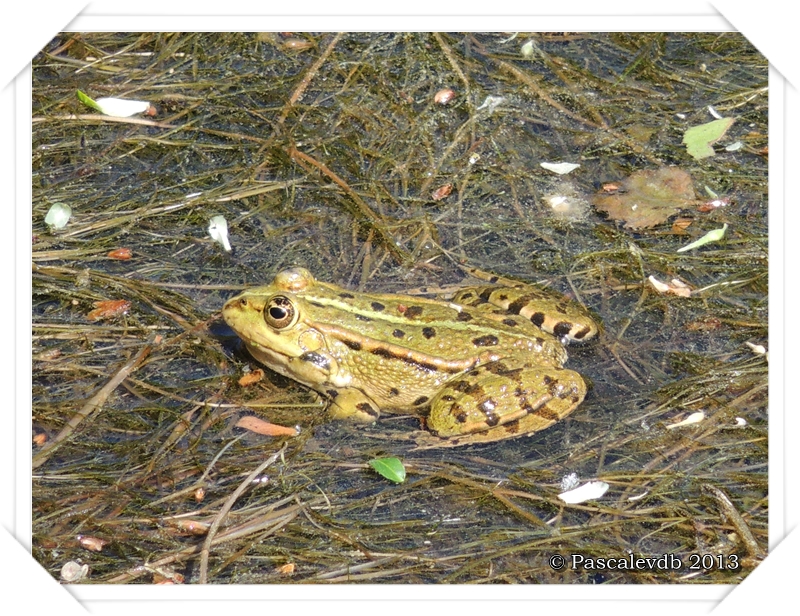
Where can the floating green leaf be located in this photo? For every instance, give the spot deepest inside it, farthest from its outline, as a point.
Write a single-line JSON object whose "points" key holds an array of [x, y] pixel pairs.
{"points": [[390, 468], [88, 101], [712, 236], [698, 139]]}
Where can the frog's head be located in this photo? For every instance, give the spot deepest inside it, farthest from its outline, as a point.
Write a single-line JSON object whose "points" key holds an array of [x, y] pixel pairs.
{"points": [[270, 321]]}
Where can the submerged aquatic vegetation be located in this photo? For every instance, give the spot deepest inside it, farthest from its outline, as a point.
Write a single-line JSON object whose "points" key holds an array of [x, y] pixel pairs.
{"points": [[332, 152]]}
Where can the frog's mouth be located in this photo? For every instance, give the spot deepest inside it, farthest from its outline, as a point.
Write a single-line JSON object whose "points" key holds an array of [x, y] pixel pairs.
{"points": [[311, 368]]}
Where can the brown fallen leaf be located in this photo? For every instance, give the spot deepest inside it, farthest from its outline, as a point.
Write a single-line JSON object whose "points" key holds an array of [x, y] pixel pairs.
{"points": [[95, 544], [287, 569], [259, 426], [441, 192], [120, 254], [713, 204], [108, 309], [252, 377], [165, 576], [680, 224], [610, 187], [704, 325], [190, 527], [648, 197]]}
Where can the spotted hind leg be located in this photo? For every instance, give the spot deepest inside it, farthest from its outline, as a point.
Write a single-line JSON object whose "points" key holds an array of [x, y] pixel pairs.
{"points": [[489, 404]]}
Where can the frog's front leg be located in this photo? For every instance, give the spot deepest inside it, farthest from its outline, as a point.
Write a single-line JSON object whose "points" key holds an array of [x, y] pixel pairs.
{"points": [[352, 404], [498, 401]]}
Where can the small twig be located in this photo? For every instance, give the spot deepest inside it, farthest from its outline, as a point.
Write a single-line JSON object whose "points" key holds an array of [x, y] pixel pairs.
{"points": [[98, 117], [376, 222], [728, 511], [308, 78], [223, 513], [96, 402]]}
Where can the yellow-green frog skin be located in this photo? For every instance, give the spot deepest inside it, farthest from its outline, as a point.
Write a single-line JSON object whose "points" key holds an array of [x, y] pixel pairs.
{"points": [[487, 365]]}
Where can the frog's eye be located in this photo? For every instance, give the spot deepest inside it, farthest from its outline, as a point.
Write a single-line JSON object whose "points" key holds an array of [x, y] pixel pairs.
{"points": [[280, 312]]}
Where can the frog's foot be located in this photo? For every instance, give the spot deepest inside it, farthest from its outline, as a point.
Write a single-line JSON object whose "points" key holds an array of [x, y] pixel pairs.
{"points": [[491, 405], [353, 405]]}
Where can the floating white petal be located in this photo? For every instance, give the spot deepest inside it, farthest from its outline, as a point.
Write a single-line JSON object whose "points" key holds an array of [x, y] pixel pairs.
{"points": [[58, 216], [560, 168], [659, 286], [218, 230], [756, 348], [691, 419], [491, 103], [676, 287], [73, 572], [121, 108], [588, 491], [527, 50], [569, 481]]}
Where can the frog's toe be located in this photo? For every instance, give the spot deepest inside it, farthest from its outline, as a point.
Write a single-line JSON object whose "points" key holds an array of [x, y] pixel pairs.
{"points": [[352, 404]]}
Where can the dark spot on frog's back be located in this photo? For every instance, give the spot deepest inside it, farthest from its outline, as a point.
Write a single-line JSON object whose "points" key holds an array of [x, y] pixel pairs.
{"points": [[562, 328], [547, 413], [579, 335], [361, 317], [518, 304], [377, 306], [394, 391], [428, 332], [345, 295], [464, 316], [510, 322], [398, 333], [353, 344], [537, 318], [412, 312], [421, 400], [483, 341]]}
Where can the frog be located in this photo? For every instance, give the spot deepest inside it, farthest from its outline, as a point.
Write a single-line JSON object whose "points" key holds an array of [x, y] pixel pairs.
{"points": [[482, 366]]}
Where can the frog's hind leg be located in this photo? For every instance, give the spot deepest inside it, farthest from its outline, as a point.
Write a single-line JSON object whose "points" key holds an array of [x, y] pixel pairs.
{"points": [[500, 406]]}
